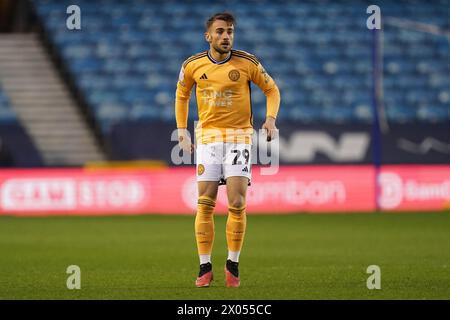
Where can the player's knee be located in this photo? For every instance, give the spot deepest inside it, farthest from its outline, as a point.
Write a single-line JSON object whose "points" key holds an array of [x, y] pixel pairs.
{"points": [[237, 202], [208, 191], [205, 206]]}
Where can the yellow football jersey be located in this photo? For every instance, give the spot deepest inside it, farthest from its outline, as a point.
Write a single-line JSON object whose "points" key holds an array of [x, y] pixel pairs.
{"points": [[223, 95]]}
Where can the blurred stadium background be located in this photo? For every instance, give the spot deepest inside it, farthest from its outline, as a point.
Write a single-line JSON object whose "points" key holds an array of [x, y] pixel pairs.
{"points": [[86, 116], [103, 96]]}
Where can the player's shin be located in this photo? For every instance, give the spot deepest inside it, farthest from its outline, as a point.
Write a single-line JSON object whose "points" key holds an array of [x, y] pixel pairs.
{"points": [[235, 229], [204, 228]]}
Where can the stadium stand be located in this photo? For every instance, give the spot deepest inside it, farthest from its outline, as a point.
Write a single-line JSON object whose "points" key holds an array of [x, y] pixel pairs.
{"points": [[16, 146], [7, 115], [127, 58], [125, 61], [43, 102]]}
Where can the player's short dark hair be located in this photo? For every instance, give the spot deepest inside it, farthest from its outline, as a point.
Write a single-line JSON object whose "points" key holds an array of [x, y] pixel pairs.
{"points": [[225, 16]]}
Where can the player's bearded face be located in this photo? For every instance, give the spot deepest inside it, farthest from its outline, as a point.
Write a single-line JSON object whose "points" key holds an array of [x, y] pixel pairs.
{"points": [[221, 35]]}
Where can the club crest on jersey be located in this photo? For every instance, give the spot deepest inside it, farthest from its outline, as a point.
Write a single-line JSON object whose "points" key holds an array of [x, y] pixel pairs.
{"points": [[200, 169], [234, 75]]}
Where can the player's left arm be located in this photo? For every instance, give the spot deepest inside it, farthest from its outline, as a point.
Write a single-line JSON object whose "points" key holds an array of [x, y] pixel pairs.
{"points": [[265, 82]]}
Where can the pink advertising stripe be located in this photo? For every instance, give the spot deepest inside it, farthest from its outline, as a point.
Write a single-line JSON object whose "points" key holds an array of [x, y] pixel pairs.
{"points": [[174, 191]]}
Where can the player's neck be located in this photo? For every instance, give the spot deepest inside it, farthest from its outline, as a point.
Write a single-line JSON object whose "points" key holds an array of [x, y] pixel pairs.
{"points": [[217, 56]]}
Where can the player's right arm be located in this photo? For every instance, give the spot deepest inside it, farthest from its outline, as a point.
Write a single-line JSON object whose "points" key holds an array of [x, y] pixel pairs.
{"points": [[182, 96]]}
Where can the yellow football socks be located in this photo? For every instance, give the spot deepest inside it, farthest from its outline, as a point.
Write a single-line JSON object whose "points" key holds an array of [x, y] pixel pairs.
{"points": [[204, 225], [236, 223]]}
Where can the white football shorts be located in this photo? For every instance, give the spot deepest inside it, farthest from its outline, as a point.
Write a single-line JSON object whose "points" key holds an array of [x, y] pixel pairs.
{"points": [[219, 160]]}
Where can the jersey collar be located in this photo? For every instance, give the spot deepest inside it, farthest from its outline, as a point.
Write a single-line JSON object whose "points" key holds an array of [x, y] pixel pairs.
{"points": [[219, 62]]}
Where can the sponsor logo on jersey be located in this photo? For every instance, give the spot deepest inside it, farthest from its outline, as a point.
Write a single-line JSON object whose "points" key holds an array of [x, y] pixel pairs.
{"points": [[204, 77], [215, 98]]}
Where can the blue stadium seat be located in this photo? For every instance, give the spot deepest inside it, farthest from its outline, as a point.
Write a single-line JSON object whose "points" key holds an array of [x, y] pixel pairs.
{"points": [[338, 115], [433, 114], [401, 113], [305, 113]]}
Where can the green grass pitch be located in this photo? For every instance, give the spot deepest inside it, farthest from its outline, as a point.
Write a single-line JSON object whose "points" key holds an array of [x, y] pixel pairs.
{"points": [[300, 256]]}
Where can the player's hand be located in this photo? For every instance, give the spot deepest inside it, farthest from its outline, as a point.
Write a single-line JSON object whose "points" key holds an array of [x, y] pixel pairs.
{"points": [[270, 128], [184, 141]]}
